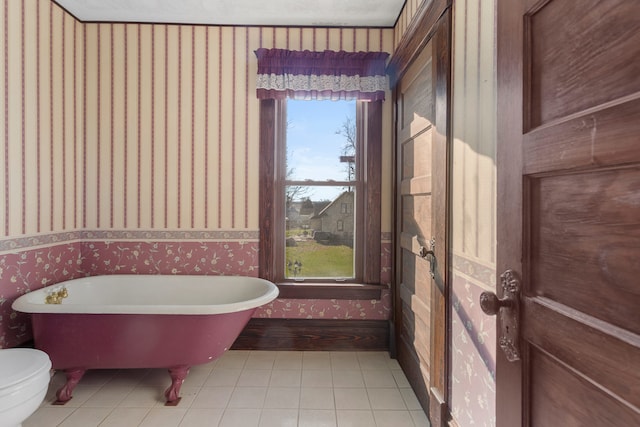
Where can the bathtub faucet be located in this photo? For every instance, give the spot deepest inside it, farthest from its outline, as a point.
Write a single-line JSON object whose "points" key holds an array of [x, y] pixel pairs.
{"points": [[56, 296]]}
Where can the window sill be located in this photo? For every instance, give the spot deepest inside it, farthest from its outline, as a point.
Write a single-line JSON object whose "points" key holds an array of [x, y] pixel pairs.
{"points": [[330, 291]]}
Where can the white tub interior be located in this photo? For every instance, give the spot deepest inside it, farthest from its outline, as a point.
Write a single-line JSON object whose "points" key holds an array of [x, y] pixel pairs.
{"points": [[153, 294]]}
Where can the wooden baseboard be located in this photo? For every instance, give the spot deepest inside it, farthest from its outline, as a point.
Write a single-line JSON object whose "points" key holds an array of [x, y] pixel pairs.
{"points": [[313, 334]]}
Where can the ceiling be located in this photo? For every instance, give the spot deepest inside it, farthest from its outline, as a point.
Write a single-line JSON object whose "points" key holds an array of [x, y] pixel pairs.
{"points": [[319, 13]]}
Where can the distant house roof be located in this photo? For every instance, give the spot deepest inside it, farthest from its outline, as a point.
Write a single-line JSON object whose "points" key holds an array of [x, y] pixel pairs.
{"points": [[323, 211]]}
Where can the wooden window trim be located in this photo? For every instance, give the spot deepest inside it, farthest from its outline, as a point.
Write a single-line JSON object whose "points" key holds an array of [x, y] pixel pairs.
{"points": [[318, 290], [367, 285]]}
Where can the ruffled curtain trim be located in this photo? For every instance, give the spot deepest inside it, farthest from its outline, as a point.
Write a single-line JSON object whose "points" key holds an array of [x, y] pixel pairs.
{"points": [[321, 75]]}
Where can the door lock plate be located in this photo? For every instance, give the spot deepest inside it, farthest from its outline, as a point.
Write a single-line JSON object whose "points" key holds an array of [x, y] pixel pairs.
{"points": [[508, 309]]}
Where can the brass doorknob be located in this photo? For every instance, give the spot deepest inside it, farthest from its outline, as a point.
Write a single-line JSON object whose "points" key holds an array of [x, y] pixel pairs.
{"points": [[491, 304]]}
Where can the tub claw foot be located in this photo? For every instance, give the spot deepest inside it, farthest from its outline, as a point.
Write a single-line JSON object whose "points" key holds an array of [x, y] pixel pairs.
{"points": [[172, 394], [64, 394]]}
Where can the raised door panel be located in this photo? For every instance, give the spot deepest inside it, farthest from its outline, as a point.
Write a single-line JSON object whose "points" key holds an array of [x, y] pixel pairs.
{"points": [[590, 219], [574, 48]]}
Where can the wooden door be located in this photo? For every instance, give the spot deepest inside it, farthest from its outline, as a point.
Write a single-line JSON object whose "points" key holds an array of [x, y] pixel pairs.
{"points": [[421, 106], [569, 210]]}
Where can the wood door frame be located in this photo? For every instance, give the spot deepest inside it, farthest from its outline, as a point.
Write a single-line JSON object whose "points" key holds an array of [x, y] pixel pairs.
{"points": [[433, 22], [440, 296], [509, 190]]}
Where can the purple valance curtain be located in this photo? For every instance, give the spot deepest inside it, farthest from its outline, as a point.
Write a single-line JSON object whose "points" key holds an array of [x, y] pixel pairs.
{"points": [[321, 75]]}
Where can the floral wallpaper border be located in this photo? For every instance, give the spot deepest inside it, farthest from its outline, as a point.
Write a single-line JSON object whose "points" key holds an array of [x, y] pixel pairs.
{"points": [[51, 260], [481, 274], [28, 242], [473, 348], [223, 235]]}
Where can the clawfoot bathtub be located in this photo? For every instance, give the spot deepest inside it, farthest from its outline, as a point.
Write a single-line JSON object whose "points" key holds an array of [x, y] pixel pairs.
{"points": [[141, 321]]}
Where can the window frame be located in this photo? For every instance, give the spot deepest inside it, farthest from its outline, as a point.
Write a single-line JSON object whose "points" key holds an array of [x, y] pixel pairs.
{"points": [[366, 284]]}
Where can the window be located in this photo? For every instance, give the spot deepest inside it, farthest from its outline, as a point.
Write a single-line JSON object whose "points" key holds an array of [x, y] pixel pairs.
{"points": [[321, 184], [295, 199]]}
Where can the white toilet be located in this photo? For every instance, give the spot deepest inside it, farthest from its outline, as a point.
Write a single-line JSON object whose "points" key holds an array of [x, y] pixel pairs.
{"points": [[24, 379]]}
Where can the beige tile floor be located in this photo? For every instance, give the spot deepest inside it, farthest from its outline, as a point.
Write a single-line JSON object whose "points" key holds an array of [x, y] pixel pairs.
{"points": [[246, 389]]}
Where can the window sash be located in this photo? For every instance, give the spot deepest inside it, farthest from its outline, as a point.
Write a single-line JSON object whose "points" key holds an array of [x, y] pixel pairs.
{"points": [[279, 199], [340, 210], [272, 173]]}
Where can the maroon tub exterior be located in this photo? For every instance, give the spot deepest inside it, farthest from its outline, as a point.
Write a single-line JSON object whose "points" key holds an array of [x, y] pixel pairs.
{"points": [[94, 341], [77, 342]]}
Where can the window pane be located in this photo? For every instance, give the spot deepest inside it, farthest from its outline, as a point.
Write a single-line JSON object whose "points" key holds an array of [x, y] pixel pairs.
{"points": [[321, 138], [319, 223], [320, 232]]}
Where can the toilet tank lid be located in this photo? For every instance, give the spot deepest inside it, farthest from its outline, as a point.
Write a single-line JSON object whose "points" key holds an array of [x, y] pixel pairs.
{"points": [[19, 364]]}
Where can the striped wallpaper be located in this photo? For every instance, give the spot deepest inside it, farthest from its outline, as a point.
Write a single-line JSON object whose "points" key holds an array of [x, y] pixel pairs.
{"points": [[172, 120], [121, 126], [474, 197], [41, 128], [404, 20]]}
